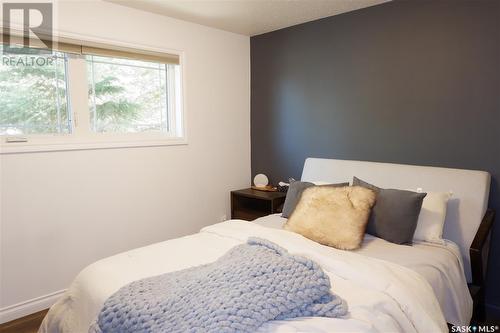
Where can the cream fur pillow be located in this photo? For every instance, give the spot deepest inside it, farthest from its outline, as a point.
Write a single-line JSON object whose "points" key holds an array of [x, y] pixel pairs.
{"points": [[333, 216]]}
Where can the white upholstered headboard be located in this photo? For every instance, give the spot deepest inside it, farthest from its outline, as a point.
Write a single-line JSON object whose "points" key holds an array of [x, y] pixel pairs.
{"points": [[465, 210]]}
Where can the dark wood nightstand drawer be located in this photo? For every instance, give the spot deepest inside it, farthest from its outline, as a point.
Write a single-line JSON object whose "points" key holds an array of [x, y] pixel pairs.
{"points": [[249, 204]]}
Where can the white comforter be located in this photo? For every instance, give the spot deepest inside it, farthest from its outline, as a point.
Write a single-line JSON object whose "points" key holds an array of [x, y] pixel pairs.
{"points": [[382, 296], [440, 264]]}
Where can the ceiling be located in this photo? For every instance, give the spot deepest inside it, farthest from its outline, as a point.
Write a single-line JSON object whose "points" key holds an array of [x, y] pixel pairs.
{"points": [[248, 17]]}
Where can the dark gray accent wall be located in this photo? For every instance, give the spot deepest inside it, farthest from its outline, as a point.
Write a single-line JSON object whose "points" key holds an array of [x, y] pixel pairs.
{"points": [[414, 82]]}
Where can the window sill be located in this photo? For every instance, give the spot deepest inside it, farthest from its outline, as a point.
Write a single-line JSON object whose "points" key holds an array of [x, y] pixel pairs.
{"points": [[34, 147]]}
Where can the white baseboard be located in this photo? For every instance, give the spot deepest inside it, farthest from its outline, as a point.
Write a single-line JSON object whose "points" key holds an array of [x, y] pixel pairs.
{"points": [[25, 308]]}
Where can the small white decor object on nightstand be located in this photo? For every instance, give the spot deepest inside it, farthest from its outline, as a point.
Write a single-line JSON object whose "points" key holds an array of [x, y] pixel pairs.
{"points": [[260, 180]]}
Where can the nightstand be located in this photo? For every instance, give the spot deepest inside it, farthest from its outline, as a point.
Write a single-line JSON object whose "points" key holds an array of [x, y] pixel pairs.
{"points": [[249, 204]]}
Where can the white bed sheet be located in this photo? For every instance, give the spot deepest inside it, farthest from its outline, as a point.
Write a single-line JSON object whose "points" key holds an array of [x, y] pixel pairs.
{"points": [[382, 296], [440, 264]]}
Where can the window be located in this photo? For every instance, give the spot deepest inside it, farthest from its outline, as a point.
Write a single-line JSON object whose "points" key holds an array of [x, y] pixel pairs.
{"points": [[82, 93], [33, 98], [127, 95]]}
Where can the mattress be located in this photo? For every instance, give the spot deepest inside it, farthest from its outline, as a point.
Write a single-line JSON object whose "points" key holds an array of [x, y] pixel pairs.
{"points": [[382, 296], [440, 264]]}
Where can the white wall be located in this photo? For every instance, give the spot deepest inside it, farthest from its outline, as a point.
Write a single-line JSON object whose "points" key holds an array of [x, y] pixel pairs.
{"points": [[61, 211]]}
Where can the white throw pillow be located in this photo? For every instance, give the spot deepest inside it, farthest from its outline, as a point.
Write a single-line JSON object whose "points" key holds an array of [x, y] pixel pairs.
{"points": [[432, 216]]}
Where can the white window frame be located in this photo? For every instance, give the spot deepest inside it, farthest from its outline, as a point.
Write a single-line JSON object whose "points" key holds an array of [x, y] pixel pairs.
{"points": [[81, 136]]}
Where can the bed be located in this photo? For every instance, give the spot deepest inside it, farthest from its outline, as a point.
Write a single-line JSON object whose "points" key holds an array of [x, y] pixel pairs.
{"points": [[388, 287]]}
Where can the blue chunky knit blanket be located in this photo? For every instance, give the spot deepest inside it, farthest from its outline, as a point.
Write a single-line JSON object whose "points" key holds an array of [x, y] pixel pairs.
{"points": [[251, 284]]}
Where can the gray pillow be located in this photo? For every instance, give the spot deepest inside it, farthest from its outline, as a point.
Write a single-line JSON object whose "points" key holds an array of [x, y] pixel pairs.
{"points": [[395, 214], [295, 191]]}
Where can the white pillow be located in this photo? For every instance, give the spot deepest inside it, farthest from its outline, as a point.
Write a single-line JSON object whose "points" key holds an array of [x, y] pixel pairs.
{"points": [[320, 182], [431, 219]]}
